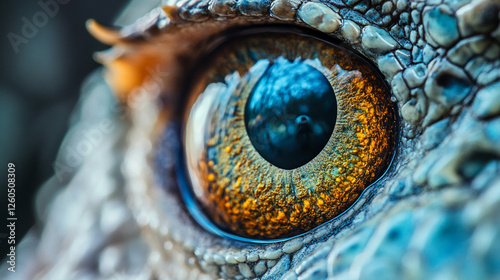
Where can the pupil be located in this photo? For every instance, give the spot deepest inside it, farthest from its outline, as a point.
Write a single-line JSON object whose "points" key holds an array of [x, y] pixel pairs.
{"points": [[290, 113]]}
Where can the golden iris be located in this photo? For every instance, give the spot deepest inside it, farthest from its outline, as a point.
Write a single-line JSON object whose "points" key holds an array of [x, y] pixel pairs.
{"points": [[271, 152]]}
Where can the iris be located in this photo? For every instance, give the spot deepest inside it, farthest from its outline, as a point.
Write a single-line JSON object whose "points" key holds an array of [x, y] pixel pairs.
{"points": [[282, 132]]}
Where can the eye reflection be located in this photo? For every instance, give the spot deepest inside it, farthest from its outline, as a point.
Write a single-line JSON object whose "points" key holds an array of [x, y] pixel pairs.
{"points": [[291, 112], [283, 132]]}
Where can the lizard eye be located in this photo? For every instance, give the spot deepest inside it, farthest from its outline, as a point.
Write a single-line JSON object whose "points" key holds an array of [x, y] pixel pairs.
{"points": [[282, 132]]}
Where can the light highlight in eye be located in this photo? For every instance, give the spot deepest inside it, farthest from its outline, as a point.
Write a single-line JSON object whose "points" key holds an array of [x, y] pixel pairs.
{"points": [[283, 132]]}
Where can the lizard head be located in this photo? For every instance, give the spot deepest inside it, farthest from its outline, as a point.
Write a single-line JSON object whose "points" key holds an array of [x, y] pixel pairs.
{"points": [[432, 209], [432, 214]]}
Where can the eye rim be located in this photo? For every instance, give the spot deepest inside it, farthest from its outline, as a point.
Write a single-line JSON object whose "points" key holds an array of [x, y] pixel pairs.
{"points": [[182, 179]]}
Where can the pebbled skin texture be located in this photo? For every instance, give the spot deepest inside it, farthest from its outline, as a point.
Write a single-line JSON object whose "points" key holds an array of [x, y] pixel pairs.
{"points": [[434, 215]]}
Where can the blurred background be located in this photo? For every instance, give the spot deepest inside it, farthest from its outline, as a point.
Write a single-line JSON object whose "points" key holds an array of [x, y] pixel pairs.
{"points": [[45, 54]]}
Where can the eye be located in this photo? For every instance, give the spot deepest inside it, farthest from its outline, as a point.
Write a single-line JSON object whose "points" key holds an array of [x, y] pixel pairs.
{"points": [[282, 132]]}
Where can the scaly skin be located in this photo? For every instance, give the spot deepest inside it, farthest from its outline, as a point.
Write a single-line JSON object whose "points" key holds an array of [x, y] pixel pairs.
{"points": [[433, 216]]}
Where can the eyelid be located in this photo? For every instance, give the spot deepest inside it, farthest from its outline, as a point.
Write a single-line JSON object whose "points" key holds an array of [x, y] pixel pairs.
{"points": [[169, 39]]}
